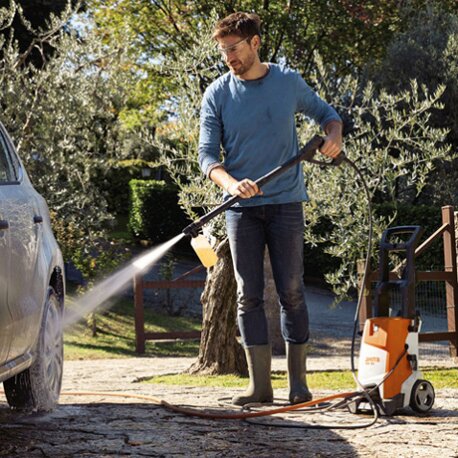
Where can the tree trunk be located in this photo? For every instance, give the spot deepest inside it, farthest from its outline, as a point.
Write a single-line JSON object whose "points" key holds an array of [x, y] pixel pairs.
{"points": [[272, 308], [220, 352]]}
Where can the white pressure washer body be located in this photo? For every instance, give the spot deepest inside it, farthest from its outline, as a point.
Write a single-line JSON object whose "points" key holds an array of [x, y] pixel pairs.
{"points": [[388, 359]]}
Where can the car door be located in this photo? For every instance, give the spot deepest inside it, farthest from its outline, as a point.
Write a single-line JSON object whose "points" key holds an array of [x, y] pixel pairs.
{"points": [[26, 280], [6, 321]]}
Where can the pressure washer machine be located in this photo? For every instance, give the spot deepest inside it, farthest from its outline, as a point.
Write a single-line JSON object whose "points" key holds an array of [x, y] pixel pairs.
{"points": [[388, 360]]}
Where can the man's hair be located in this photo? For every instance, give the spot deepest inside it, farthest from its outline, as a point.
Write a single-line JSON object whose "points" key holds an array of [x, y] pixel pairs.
{"points": [[244, 25]]}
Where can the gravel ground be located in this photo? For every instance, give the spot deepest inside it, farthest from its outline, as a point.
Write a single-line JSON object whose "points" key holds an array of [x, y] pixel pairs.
{"points": [[110, 427]]}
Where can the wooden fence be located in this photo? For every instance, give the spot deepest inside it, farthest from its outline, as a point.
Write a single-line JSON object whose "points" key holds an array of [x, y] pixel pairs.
{"points": [[139, 286], [448, 275]]}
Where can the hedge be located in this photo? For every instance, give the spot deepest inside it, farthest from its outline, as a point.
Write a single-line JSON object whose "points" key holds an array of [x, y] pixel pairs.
{"points": [[154, 213]]}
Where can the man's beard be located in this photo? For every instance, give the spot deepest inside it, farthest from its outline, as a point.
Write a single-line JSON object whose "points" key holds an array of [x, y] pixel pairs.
{"points": [[242, 67]]}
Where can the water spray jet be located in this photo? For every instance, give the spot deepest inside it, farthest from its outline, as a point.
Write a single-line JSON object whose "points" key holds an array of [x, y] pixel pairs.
{"points": [[116, 282]]}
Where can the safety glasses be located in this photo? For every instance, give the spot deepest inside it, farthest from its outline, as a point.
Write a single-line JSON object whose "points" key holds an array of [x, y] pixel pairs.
{"points": [[233, 48]]}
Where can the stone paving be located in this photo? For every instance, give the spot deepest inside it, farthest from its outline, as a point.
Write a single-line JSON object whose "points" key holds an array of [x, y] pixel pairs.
{"points": [[103, 426]]}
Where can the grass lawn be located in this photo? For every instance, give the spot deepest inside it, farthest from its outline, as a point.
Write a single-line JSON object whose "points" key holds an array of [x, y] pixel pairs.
{"points": [[116, 335], [328, 380], [116, 339]]}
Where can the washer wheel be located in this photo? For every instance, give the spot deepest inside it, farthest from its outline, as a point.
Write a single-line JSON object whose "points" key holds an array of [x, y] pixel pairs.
{"points": [[422, 397]]}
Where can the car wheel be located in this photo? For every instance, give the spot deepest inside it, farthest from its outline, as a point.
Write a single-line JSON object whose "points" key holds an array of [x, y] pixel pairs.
{"points": [[38, 387]]}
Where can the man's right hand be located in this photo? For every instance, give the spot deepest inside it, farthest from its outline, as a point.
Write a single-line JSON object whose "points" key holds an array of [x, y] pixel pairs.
{"points": [[245, 188]]}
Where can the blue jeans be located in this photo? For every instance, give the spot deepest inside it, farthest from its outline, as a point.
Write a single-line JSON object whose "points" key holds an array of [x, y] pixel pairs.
{"points": [[281, 228]]}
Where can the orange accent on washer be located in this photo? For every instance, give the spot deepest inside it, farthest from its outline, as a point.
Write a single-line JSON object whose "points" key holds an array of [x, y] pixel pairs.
{"points": [[390, 334]]}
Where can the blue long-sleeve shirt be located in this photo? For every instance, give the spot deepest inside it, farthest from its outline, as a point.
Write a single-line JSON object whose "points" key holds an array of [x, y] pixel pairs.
{"points": [[254, 122]]}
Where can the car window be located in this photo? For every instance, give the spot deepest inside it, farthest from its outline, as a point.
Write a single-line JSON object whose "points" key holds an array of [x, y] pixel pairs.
{"points": [[7, 172]]}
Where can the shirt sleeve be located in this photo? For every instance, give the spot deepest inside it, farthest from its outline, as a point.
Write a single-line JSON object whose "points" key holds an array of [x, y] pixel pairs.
{"points": [[210, 135], [310, 103]]}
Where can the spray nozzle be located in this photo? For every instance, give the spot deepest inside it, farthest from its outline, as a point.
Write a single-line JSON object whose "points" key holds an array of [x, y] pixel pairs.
{"points": [[204, 250], [193, 229], [200, 244]]}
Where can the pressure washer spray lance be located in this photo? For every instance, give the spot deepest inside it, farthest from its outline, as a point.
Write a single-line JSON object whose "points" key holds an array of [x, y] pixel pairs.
{"points": [[200, 243], [305, 154]]}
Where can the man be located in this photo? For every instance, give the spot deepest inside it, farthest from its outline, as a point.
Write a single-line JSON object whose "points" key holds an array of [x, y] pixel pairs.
{"points": [[250, 112]]}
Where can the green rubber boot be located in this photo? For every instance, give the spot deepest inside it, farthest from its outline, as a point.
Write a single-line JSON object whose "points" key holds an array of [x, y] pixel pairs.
{"points": [[298, 391], [260, 388]]}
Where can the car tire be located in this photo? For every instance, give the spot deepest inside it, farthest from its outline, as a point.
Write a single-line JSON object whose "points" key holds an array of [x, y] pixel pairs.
{"points": [[38, 387]]}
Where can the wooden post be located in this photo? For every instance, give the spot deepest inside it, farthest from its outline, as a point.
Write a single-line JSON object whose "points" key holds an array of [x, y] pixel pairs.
{"points": [[365, 311], [139, 315], [451, 286]]}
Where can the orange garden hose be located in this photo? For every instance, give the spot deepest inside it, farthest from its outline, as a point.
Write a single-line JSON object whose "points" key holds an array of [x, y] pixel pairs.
{"points": [[213, 416]]}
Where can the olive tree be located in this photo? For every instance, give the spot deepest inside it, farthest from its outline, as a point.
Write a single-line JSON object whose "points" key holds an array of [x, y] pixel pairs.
{"points": [[27, 20], [64, 118], [427, 50], [393, 144]]}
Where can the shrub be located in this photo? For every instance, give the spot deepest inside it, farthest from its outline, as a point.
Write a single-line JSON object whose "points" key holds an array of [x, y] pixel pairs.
{"points": [[318, 261], [429, 218], [115, 185], [154, 213]]}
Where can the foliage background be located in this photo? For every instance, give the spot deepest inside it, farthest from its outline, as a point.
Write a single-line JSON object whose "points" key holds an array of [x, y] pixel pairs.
{"points": [[88, 88]]}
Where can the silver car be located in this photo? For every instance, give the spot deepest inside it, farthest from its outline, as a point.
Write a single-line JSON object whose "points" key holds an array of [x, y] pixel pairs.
{"points": [[31, 290]]}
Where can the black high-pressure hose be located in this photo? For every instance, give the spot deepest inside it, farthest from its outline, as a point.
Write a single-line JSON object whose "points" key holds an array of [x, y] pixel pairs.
{"points": [[343, 158]]}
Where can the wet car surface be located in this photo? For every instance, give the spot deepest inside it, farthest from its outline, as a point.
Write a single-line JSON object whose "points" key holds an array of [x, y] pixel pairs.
{"points": [[31, 290]]}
